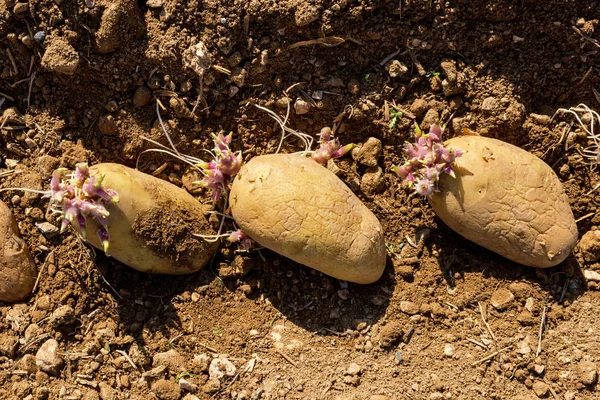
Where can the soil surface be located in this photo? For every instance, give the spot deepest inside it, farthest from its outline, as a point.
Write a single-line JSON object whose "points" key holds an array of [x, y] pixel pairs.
{"points": [[84, 80]]}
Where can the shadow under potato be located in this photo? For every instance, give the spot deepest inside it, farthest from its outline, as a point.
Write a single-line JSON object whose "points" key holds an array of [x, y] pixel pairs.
{"points": [[320, 303], [563, 282]]}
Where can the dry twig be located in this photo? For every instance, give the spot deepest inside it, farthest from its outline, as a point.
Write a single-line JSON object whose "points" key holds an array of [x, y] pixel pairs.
{"points": [[477, 343], [494, 354], [326, 41], [287, 358], [37, 281], [129, 360], [482, 312], [7, 96], [586, 37], [542, 323], [208, 348], [12, 60], [592, 213]]}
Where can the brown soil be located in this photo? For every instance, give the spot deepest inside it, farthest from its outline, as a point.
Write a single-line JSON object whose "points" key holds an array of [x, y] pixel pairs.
{"points": [[290, 331], [169, 230]]}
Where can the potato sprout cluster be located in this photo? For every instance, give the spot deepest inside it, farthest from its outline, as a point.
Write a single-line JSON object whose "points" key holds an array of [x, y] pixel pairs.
{"points": [[329, 147], [225, 164], [81, 196], [428, 158]]}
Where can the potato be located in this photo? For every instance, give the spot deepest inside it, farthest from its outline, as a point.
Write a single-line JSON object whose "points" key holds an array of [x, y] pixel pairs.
{"points": [[17, 269], [151, 226], [301, 210], [508, 201]]}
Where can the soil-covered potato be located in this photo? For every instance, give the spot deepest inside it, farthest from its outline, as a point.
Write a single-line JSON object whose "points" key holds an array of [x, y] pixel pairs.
{"points": [[301, 210], [17, 269], [508, 201], [151, 226]]}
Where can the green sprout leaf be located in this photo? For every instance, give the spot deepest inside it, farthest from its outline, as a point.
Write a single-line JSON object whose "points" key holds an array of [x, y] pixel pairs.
{"points": [[431, 74], [394, 116]]}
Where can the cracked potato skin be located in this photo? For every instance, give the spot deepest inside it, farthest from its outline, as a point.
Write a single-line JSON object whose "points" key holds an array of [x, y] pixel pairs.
{"points": [[301, 210], [508, 201]]}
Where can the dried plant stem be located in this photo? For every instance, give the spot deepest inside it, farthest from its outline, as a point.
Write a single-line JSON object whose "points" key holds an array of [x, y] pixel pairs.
{"points": [[489, 357], [482, 312], [541, 332]]}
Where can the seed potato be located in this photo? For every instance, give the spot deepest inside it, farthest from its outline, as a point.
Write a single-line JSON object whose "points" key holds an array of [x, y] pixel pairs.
{"points": [[508, 201], [301, 210], [151, 225]]}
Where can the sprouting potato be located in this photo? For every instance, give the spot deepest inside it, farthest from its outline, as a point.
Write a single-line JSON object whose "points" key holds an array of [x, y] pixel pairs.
{"points": [[506, 200], [301, 210], [151, 225]]}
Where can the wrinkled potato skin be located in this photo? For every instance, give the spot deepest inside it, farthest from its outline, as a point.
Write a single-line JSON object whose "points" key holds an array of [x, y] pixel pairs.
{"points": [[508, 201], [301, 210], [139, 193]]}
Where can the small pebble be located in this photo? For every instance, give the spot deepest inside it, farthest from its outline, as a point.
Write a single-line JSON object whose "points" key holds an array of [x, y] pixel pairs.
{"points": [[368, 154], [395, 68], [107, 125], [142, 96], [540, 389], [590, 245], [166, 389], [212, 386], [220, 367], [408, 307], [448, 350], [353, 369], [539, 369], [570, 395], [112, 106], [587, 372], [489, 104], [27, 41], [201, 362], [48, 359], [106, 392], [301, 106], [63, 316], [540, 119], [591, 276], [39, 36], [47, 229], [186, 385], [501, 299]]}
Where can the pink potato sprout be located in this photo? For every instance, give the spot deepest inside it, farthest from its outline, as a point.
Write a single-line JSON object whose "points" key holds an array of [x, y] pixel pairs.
{"points": [[219, 171], [428, 158], [217, 175], [329, 147], [75, 196], [79, 196]]}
